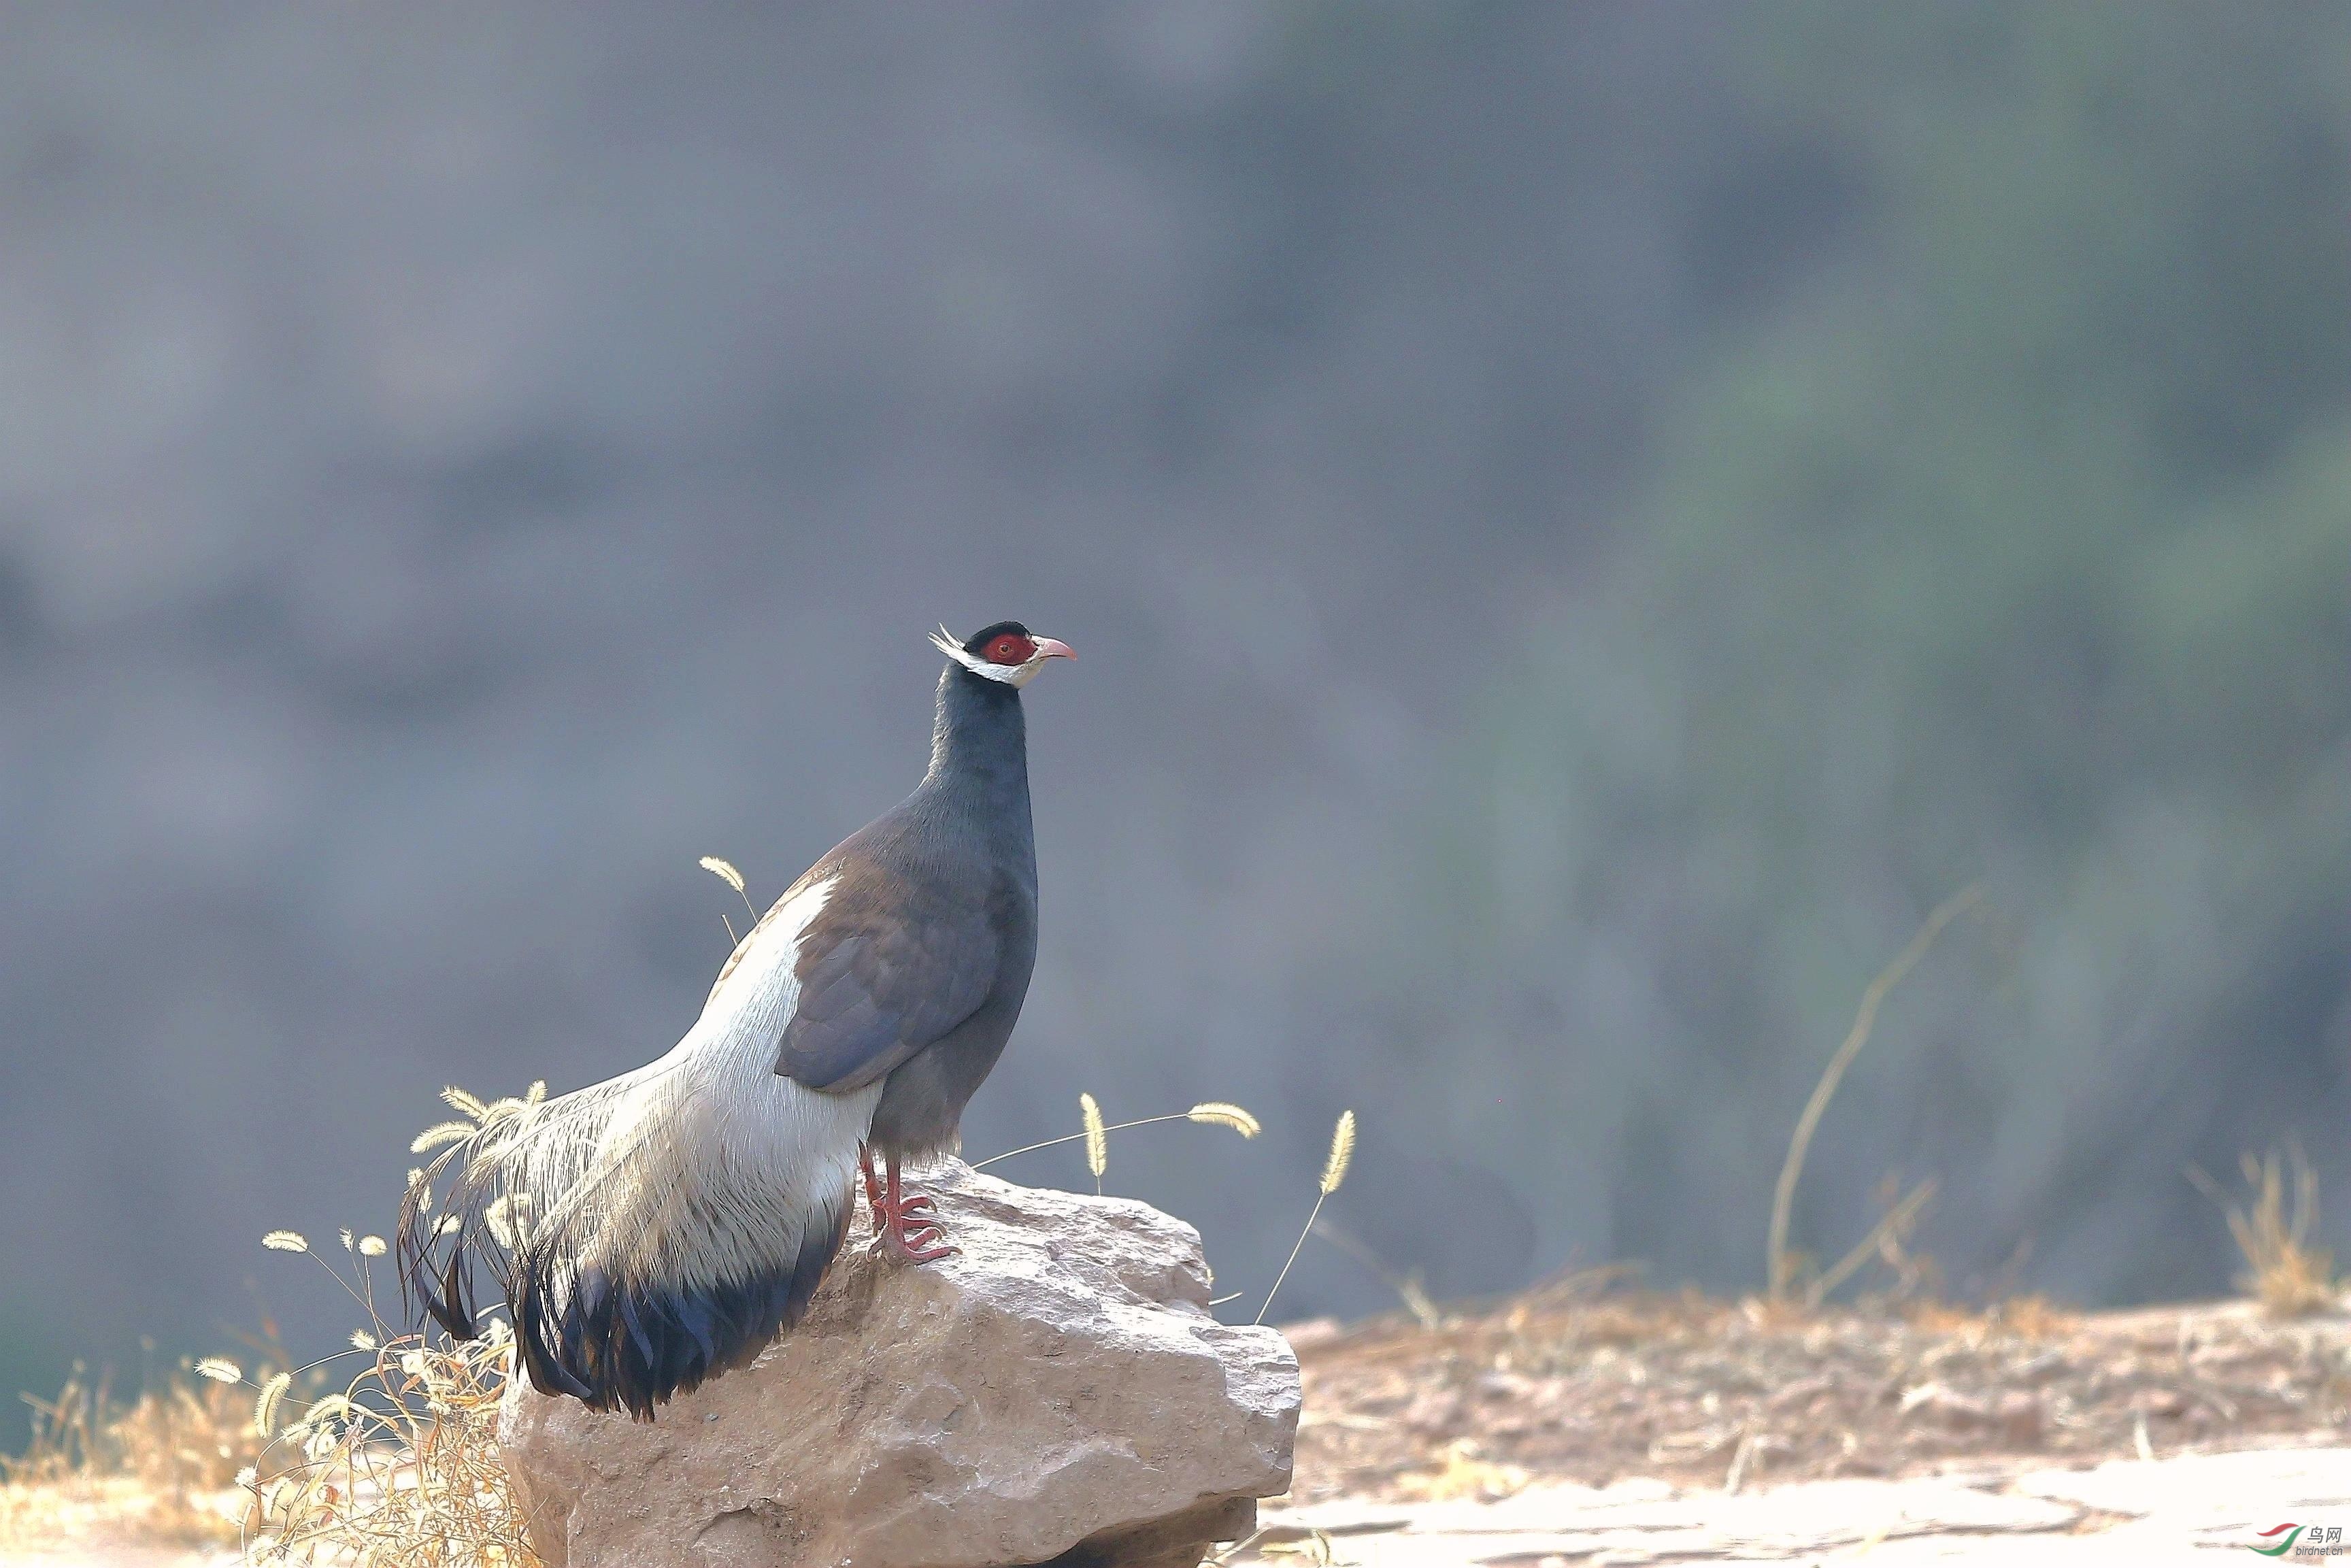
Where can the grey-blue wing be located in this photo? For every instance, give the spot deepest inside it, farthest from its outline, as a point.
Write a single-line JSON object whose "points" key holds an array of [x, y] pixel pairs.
{"points": [[881, 979]]}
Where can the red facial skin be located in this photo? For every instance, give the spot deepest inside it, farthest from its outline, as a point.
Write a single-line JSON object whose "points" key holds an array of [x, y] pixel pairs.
{"points": [[1009, 649], [1012, 648]]}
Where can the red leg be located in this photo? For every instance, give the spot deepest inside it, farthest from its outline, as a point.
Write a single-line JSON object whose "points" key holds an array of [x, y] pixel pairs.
{"points": [[897, 1232], [873, 1183]]}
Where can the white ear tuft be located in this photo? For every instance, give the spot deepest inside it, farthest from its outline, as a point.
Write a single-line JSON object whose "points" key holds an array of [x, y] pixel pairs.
{"points": [[944, 640]]}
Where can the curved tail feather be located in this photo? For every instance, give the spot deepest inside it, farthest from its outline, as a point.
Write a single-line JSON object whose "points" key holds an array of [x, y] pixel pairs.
{"points": [[649, 1232], [624, 1345]]}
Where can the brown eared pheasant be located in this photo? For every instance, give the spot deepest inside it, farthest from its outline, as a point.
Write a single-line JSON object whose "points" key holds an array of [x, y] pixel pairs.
{"points": [[656, 1229]]}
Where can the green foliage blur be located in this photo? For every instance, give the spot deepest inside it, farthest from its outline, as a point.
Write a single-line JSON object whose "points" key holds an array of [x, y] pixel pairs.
{"points": [[2009, 537]]}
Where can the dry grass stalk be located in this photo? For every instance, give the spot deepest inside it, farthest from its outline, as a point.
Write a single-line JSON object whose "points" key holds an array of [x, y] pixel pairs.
{"points": [[1741, 1460], [1281, 1542], [1408, 1284], [1334, 1171], [1208, 1113], [1779, 1267], [1570, 1285], [401, 1469], [1884, 1241], [724, 870], [2288, 1275]]}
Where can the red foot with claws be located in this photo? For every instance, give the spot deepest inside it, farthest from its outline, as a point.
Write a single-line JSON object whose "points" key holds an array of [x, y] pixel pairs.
{"points": [[900, 1230]]}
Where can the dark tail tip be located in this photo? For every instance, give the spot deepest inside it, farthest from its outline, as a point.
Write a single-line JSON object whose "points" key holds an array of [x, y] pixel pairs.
{"points": [[440, 1287], [632, 1345], [447, 1307]]}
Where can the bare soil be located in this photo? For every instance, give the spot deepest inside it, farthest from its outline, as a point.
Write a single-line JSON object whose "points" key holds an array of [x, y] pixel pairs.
{"points": [[1566, 1385]]}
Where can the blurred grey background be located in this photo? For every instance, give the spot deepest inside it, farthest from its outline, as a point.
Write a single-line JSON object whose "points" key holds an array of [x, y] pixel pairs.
{"points": [[1581, 522]]}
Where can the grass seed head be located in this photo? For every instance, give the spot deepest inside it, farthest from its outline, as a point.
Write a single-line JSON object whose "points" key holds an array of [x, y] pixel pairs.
{"points": [[371, 1247], [464, 1103], [441, 1133], [220, 1369], [331, 1407], [286, 1241], [1342, 1150], [362, 1340], [265, 1407], [1097, 1140], [723, 871], [1224, 1113]]}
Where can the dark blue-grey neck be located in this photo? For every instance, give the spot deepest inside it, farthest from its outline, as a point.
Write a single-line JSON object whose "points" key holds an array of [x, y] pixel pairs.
{"points": [[980, 753]]}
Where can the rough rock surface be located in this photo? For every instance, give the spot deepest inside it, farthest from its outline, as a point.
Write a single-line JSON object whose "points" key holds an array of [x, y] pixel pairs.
{"points": [[1056, 1392]]}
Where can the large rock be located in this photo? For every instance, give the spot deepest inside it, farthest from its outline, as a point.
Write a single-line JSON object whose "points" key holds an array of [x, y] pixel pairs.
{"points": [[1056, 1393]]}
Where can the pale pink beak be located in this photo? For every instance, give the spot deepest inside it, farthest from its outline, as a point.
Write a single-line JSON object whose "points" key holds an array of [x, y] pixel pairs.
{"points": [[1047, 648]]}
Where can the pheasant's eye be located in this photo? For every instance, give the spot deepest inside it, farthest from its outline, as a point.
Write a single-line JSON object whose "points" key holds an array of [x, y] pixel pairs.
{"points": [[1010, 650]]}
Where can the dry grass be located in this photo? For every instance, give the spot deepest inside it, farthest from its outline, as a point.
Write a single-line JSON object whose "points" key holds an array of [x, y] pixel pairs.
{"points": [[162, 1467], [2287, 1275], [396, 1467], [401, 1469], [1780, 1266]]}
